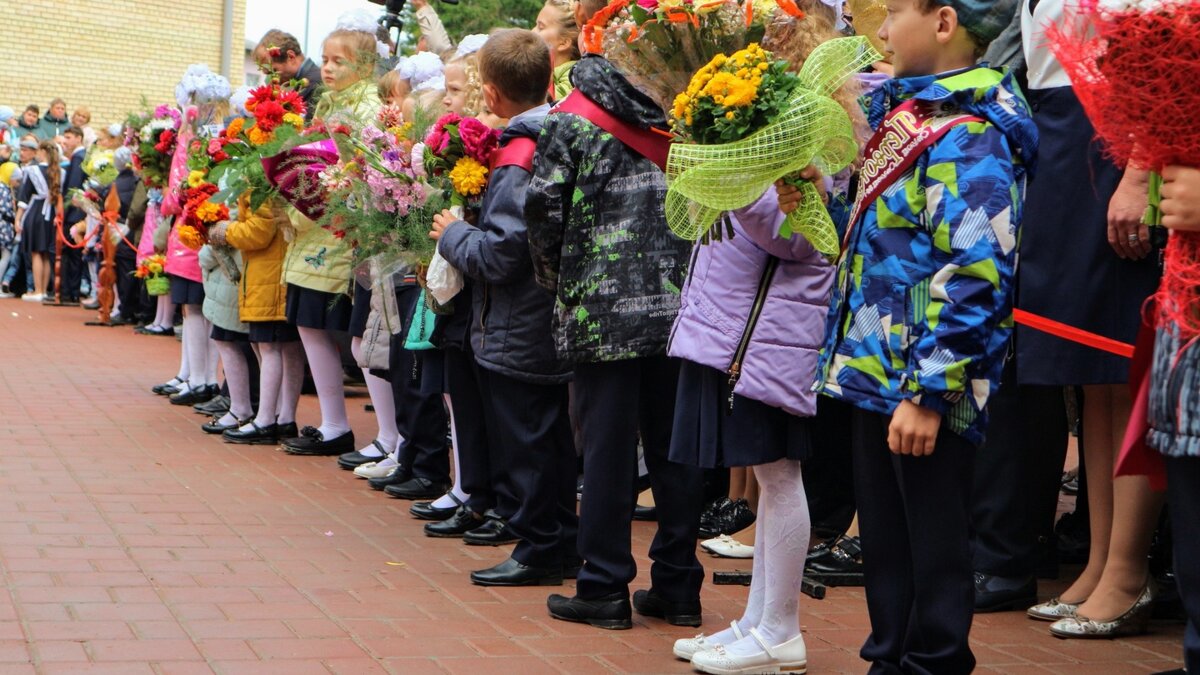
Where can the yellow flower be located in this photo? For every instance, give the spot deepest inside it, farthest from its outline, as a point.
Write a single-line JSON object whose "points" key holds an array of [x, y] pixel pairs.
{"points": [[208, 212], [730, 115], [257, 137], [154, 267], [189, 237], [468, 177], [195, 178], [294, 120]]}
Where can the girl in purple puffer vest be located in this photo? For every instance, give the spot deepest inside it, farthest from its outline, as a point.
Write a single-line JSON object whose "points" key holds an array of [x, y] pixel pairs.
{"points": [[751, 322]]}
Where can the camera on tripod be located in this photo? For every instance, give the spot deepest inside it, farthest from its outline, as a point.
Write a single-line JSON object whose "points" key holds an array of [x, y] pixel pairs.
{"points": [[392, 8]]}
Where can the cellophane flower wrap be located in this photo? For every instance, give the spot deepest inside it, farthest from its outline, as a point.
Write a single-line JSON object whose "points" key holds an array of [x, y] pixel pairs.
{"points": [[152, 138], [1131, 64], [276, 123], [659, 44], [378, 200], [744, 122]]}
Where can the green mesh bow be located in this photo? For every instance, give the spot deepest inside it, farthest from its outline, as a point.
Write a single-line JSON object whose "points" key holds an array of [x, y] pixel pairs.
{"points": [[705, 180]]}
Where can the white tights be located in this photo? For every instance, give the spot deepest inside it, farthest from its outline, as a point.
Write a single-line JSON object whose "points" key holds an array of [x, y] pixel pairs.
{"points": [[385, 408], [281, 376], [165, 312], [445, 502], [326, 366], [237, 376], [202, 355]]}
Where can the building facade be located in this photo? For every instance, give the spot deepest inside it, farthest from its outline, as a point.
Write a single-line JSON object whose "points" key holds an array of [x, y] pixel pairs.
{"points": [[110, 54]]}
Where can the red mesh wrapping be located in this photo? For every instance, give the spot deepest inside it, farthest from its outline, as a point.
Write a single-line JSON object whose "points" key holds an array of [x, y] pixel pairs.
{"points": [[1136, 73]]}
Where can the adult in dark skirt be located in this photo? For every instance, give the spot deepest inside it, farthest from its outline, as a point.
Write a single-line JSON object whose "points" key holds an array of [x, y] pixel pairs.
{"points": [[753, 413], [1086, 261]]}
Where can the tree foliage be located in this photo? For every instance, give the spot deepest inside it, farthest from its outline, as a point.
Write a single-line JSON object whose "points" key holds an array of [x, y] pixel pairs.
{"points": [[474, 16]]}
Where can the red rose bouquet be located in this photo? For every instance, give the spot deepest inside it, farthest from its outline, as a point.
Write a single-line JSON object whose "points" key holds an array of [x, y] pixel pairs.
{"points": [[152, 138]]}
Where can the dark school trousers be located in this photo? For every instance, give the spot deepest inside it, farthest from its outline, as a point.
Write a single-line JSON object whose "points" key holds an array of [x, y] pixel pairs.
{"points": [[488, 488], [913, 518], [1183, 500], [129, 287], [72, 272], [529, 434], [420, 413], [616, 401], [1017, 476]]}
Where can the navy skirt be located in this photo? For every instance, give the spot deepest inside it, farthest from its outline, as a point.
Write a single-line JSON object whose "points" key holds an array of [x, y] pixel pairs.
{"points": [[307, 308], [221, 335], [1068, 271], [186, 291], [272, 331], [709, 433], [361, 311]]}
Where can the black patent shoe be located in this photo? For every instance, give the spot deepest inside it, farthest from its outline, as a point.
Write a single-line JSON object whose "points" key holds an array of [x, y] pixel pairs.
{"points": [[398, 476], [611, 612], [650, 603], [734, 518], [193, 396], [417, 488], [462, 522], [645, 513], [493, 532], [427, 511], [219, 405], [167, 388], [255, 435], [315, 445], [1003, 594], [839, 565], [512, 573], [215, 427]]}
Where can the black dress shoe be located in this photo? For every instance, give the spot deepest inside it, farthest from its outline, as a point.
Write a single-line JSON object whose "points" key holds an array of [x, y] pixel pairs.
{"points": [[427, 511], [709, 516], [398, 476], [255, 435], [512, 573], [650, 603], [839, 565], [417, 488], [462, 522], [646, 513], [493, 532], [286, 430], [317, 446], [736, 517], [215, 427], [610, 611], [166, 388], [193, 396], [353, 460], [219, 405], [1002, 594]]}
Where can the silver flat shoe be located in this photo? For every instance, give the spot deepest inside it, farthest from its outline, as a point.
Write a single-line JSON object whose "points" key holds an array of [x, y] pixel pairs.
{"points": [[1052, 610], [1134, 621]]}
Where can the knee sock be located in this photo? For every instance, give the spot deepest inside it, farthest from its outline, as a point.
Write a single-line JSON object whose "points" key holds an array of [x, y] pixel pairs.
{"points": [[195, 341], [445, 502], [783, 506], [212, 358], [326, 368], [270, 380], [237, 376]]}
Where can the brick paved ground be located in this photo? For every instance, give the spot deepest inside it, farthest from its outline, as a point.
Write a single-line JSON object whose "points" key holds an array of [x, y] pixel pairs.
{"points": [[131, 543]]}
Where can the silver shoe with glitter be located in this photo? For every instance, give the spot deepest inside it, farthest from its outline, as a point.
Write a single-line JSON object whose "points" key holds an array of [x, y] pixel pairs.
{"points": [[1134, 621], [1052, 610]]}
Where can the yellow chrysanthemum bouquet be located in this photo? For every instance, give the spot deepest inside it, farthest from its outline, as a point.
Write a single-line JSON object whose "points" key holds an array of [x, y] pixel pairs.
{"points": [[746, 121]]}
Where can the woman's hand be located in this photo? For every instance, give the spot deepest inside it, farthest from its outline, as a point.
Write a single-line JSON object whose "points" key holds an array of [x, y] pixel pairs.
{"points": [[790, 196], [1181, 198], [1126, 233]]}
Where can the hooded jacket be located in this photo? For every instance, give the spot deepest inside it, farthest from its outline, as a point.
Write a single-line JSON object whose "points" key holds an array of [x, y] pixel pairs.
{"points": [[220, 291], [922, 306], [511, 312], [597, 228], [728, 279], [258, 235]]}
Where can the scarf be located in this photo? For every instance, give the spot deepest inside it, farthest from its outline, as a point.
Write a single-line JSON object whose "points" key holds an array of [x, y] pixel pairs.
{"points": [[41, 190]]}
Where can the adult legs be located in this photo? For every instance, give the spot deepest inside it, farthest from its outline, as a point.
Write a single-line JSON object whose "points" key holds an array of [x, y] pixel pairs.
{"points": [[41, 272], [326, 366]]}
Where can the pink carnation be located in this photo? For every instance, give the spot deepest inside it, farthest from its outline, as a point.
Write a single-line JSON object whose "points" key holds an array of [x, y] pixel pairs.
{"points": [[438, 139], [479, 140]]}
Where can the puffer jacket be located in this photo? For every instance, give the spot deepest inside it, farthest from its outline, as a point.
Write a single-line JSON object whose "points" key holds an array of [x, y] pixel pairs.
{"points": [[598, 231], [258, 235], [922, 307], [383, 321], [220, 291], [511, 313], [773, 359], [316, 259]]}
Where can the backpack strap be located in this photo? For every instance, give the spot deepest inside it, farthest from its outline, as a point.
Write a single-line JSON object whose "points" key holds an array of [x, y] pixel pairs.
{"points": [[653, 144], [517, 152]]}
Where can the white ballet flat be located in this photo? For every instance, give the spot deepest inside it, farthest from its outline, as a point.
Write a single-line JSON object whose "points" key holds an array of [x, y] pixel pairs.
{"points": [[726, 546], [790, 657], [687, 647], [374, 470]]}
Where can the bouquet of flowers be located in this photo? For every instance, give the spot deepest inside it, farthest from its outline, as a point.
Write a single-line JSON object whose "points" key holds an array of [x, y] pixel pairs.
{"points": [[745, 122], [152, 138], [1129, 60], [98, 165], [200, 208], [152, 271], [87, 200], [378, 200], [659, 44], [276, 123]]}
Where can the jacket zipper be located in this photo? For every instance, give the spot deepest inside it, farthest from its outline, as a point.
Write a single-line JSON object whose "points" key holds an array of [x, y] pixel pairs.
{"points": [[760, 299], [483, 310]]}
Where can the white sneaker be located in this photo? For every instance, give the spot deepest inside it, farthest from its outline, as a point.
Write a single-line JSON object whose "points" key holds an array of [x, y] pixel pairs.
{"points": [[376, 469], [33, 297], [6, 294], [726, 546], [790, 657], [686, 648]]}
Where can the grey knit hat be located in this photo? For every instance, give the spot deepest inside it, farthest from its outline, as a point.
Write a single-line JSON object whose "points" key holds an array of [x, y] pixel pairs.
{"points": [[985, 20]]}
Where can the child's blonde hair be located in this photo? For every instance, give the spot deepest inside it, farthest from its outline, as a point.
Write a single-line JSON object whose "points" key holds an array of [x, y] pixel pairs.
{"points": [[566, 24], [362, 48], [473, 104]]}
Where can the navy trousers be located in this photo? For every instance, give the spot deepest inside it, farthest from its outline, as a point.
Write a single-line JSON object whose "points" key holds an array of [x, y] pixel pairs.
{"points": [[913, 515], [529, 434], [72, 272], [616, 401], [420, 413], [1183, 500], [487, 487]]}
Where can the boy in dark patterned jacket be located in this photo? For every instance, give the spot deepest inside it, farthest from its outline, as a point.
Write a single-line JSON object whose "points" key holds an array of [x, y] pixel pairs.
{"points": [[599, 239]]}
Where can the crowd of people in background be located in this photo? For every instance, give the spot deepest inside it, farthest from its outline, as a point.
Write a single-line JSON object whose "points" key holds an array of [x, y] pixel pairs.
{"points": [[588, 355]]}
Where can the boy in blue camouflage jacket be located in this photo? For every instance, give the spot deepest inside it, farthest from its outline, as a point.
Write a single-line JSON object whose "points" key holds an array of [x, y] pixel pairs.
{"points": [[921, 318]]}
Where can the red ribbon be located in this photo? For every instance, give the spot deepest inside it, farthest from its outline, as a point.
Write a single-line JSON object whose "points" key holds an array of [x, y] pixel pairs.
{"points": [[1073, 334]]}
